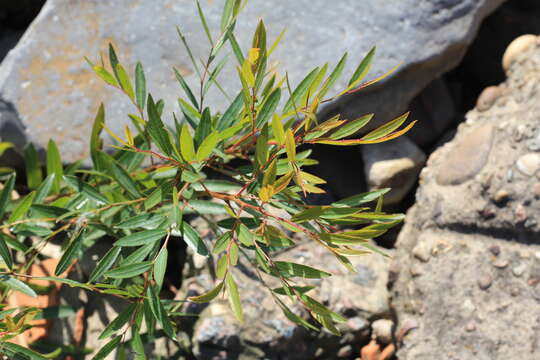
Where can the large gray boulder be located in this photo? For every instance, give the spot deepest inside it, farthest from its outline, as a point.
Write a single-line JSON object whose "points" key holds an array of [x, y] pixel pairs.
{"points": [[467, 267], [56, 96]]}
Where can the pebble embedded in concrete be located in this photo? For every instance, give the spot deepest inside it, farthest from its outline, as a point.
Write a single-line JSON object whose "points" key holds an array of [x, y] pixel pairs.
{"points": [[485, 281], [528, 164], [519, 269]]}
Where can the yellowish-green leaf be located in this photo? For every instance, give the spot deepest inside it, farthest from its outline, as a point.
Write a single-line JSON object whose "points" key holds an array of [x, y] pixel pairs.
{"points": [[279, 132], [208, 296], [187, 149], [290, 145], [125, 83], [234, 297], [208, 145]]}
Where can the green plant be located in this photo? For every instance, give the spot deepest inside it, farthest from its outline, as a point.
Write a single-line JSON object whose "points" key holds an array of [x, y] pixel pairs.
{"points": [[139, 205]]}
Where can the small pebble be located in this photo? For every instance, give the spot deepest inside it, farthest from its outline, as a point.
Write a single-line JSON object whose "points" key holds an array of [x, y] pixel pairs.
{"points": [[501, 196], [470, 327], [500, 263], [382, 330], [520, 213], [495, 249], [421, 252], [528, 164], [517, 46], [529, 223], [485, 281], [488, 97], [536, 189], [416, 270], [518, 270], [514, 292], [345, 351], [533, 281]]}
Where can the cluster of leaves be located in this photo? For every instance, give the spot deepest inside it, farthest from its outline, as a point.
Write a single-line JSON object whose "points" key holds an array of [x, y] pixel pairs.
{"points": [[141, 204]]}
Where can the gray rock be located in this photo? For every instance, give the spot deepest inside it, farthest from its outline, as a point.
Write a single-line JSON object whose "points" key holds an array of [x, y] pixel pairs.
{"points": [[362, 297], [55, 94], [394, 164], [484, 273]]}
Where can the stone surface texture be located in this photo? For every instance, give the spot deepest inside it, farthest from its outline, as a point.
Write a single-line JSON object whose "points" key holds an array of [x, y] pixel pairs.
{"points": [[48, 84], [467, 266], [362, 297], [394, 164]]}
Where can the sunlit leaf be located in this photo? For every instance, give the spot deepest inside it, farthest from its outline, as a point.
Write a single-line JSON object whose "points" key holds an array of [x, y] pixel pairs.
{"points": [[208, 296], [234, 297]]}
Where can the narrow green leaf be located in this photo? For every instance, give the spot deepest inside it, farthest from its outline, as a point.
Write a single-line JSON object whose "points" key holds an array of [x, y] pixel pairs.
{"points": [[221, 243], [119, 321], [96, 144], [386, 129], [230, 116], [186, 88], [44, 189], [105, 263], [286, 291], [362, 69], [351, 127], [268, 108], [32, 167], [362, 198], [125, 83], [130, 270], [5, 195], [207, 146], [140, 85], [290, 146], [295, 318], [159, 312], [141, 238], [204, 128], [160, 266], [334, 76], [289, 269], [5, 253], [187, 148], [89, 191], [54, 165], [236, 47], [17, 285], [147, 221], [193, 117], [47, 211], [208, 296], [279, 132], [234, 297], [300, 91], [204, 24], [124, 180], [261, 148], [70, 253], [22, 207], [113, 59], [68, 282], [17, 352], [105, 75], [108, 348], [156, 128], [192, 238]]}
